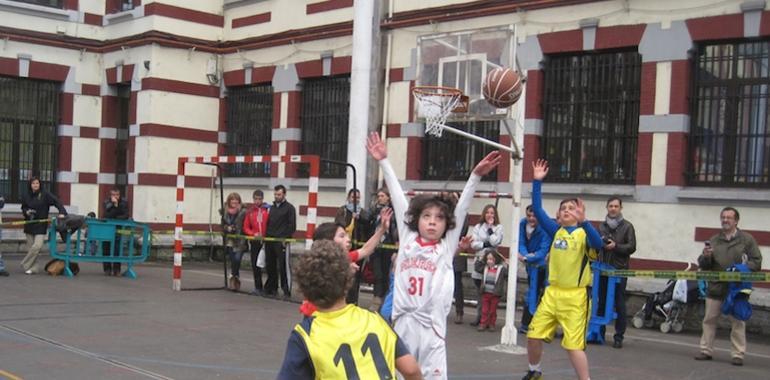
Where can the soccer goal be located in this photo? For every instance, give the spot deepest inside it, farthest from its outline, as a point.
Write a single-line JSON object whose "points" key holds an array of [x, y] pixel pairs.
{"points": [[312, 197]]}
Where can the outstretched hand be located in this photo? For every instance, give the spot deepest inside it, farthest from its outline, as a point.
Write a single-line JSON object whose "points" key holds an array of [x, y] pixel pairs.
{"points": [[385, 214], [465, 243], [376, 147], [488, 163], [540, 169]]}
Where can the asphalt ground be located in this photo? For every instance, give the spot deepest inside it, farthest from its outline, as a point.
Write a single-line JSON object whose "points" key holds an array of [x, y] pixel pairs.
{"points": [[98, 327]]}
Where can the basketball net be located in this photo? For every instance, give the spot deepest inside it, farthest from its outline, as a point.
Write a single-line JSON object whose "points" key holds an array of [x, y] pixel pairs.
{"points": [[435, 105]]}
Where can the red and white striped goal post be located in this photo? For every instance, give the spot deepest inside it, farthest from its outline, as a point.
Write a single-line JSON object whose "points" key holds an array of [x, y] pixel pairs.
{"points": [[312, 196]]}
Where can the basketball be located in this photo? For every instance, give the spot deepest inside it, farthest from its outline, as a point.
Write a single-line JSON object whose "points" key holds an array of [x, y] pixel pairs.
{"points": [[502, 87]]}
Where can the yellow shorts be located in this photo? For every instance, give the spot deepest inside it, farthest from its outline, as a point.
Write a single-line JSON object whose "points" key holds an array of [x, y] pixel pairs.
{"points": [[568, 307]]}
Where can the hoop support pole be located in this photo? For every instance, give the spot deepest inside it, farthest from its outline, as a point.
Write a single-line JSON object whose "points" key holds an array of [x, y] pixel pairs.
{"points": [[514, 154]]}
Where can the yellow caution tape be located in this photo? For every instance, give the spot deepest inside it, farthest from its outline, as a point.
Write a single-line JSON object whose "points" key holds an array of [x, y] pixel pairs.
{"points": [[685, 275]]}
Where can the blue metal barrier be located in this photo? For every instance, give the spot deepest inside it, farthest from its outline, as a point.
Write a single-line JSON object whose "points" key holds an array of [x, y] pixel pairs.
{"points": [[600, 318], [119, 235]]}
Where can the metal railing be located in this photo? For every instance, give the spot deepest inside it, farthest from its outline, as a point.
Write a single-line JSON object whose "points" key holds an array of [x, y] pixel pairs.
{"points": [[591, 116], [249, 128], [452, 157], [729, 141], [324, 121], [29, 115]]}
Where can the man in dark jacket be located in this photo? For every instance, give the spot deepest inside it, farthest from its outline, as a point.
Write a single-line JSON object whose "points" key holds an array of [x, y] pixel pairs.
{"points": [[619, 244], [34, 206], [729, 247], [114, 208], [282, 224]]}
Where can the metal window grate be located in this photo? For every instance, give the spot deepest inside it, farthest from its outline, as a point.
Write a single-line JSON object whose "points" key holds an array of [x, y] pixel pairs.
{"points": [[249, 128], [591, 122], [324, 121], [729, 140], [45, 3], [452, 158], [29, 116]]}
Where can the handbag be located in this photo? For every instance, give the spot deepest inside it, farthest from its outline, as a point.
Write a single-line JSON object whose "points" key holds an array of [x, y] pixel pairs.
{"points": [[261, 257]]}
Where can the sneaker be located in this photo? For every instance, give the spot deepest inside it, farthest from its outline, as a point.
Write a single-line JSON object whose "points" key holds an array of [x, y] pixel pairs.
{"points": [[491, 329], [458, 319], [533, 375], [29, 271], [256, 292], [737, 361], [702, 356], [617, 344], [4, 273], [481, 328], [474, 323]]}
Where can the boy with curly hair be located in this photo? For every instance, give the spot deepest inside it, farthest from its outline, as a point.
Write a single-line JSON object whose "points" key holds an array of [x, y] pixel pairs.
{"points": [[340, 341], [423, 278]]}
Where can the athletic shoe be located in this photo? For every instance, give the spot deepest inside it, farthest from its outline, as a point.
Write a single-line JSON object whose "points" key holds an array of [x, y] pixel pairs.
{"points": [[702, 356], [737, 361], [533, 375]]}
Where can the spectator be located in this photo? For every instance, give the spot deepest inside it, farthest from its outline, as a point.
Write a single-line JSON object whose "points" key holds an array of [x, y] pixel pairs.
{"points": [[281, 225], [232, 226], [534, 244], [487, 235], [114, 208], [353, 217], [381, 259], [494, 286], [255, 225], [3, 271], [34, 206], [729, 247], [619, 240]]}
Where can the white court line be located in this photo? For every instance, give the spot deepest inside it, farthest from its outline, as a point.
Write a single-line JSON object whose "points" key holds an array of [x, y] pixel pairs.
{"points": [[75, 350], [683, 344], [213, 274]]}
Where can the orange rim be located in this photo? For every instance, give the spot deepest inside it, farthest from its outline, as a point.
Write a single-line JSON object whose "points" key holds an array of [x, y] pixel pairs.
{"points": [[462, 104]]}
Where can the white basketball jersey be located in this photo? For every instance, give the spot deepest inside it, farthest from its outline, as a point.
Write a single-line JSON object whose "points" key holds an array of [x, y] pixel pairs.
{"points": [[424, 282]]}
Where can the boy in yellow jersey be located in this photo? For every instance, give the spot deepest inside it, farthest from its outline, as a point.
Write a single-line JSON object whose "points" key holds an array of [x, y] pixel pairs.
{"points": [[566, 299], [340, 341]]}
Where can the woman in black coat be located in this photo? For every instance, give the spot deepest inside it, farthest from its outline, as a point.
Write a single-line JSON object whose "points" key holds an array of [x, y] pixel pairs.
{"points": [[34, 206]]}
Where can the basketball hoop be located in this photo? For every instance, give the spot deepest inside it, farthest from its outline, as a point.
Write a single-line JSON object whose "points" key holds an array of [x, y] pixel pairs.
{"points": [[435, 104]]}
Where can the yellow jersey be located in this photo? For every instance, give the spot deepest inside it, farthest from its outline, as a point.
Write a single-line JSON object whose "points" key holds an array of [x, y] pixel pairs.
{"points": [[568, 265], [350, 343]]}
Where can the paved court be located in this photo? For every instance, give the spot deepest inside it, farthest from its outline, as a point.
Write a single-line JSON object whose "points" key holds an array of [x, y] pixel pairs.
{"points": [[97, 327]]}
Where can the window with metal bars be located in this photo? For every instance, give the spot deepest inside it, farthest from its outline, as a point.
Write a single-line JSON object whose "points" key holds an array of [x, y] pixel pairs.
{"points": [[29, 116], [452, 157], [324, 122], [591, 117], [729, 140], [45, 3], [249, 128]]}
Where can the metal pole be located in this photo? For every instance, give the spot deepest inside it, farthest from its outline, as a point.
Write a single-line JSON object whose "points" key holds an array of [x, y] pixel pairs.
{"points": [[514, 153]]}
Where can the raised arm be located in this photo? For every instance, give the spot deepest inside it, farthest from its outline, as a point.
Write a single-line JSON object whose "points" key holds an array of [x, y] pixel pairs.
{"points": [[385, 214], [379, 152], [486, 165], [540, 169]]}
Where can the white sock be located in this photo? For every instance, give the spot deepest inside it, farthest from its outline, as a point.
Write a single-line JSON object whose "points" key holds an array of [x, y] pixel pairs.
{"points": [[535, 367]]}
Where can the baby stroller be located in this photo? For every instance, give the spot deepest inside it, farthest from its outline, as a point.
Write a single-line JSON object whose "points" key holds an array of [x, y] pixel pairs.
{"points": [[668, 308]]}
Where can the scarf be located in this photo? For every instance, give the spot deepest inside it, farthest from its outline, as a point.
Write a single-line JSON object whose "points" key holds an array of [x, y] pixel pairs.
{"points": [[353, 208], [613, 223]]}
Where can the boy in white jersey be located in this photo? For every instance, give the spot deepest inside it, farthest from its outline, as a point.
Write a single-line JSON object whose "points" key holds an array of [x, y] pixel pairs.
{"points": [[424, 278]]}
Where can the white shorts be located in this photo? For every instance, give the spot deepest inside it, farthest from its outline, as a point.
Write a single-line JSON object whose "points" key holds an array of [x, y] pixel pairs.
{"points": [[425, 344]]}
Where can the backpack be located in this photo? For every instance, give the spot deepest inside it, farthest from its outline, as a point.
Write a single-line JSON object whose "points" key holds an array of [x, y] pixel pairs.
{"points": [[55, 267]]}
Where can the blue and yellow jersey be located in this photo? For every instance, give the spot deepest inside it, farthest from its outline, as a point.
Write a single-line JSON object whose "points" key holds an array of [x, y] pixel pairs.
{"points": [[350, 343], [569, 255]]}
